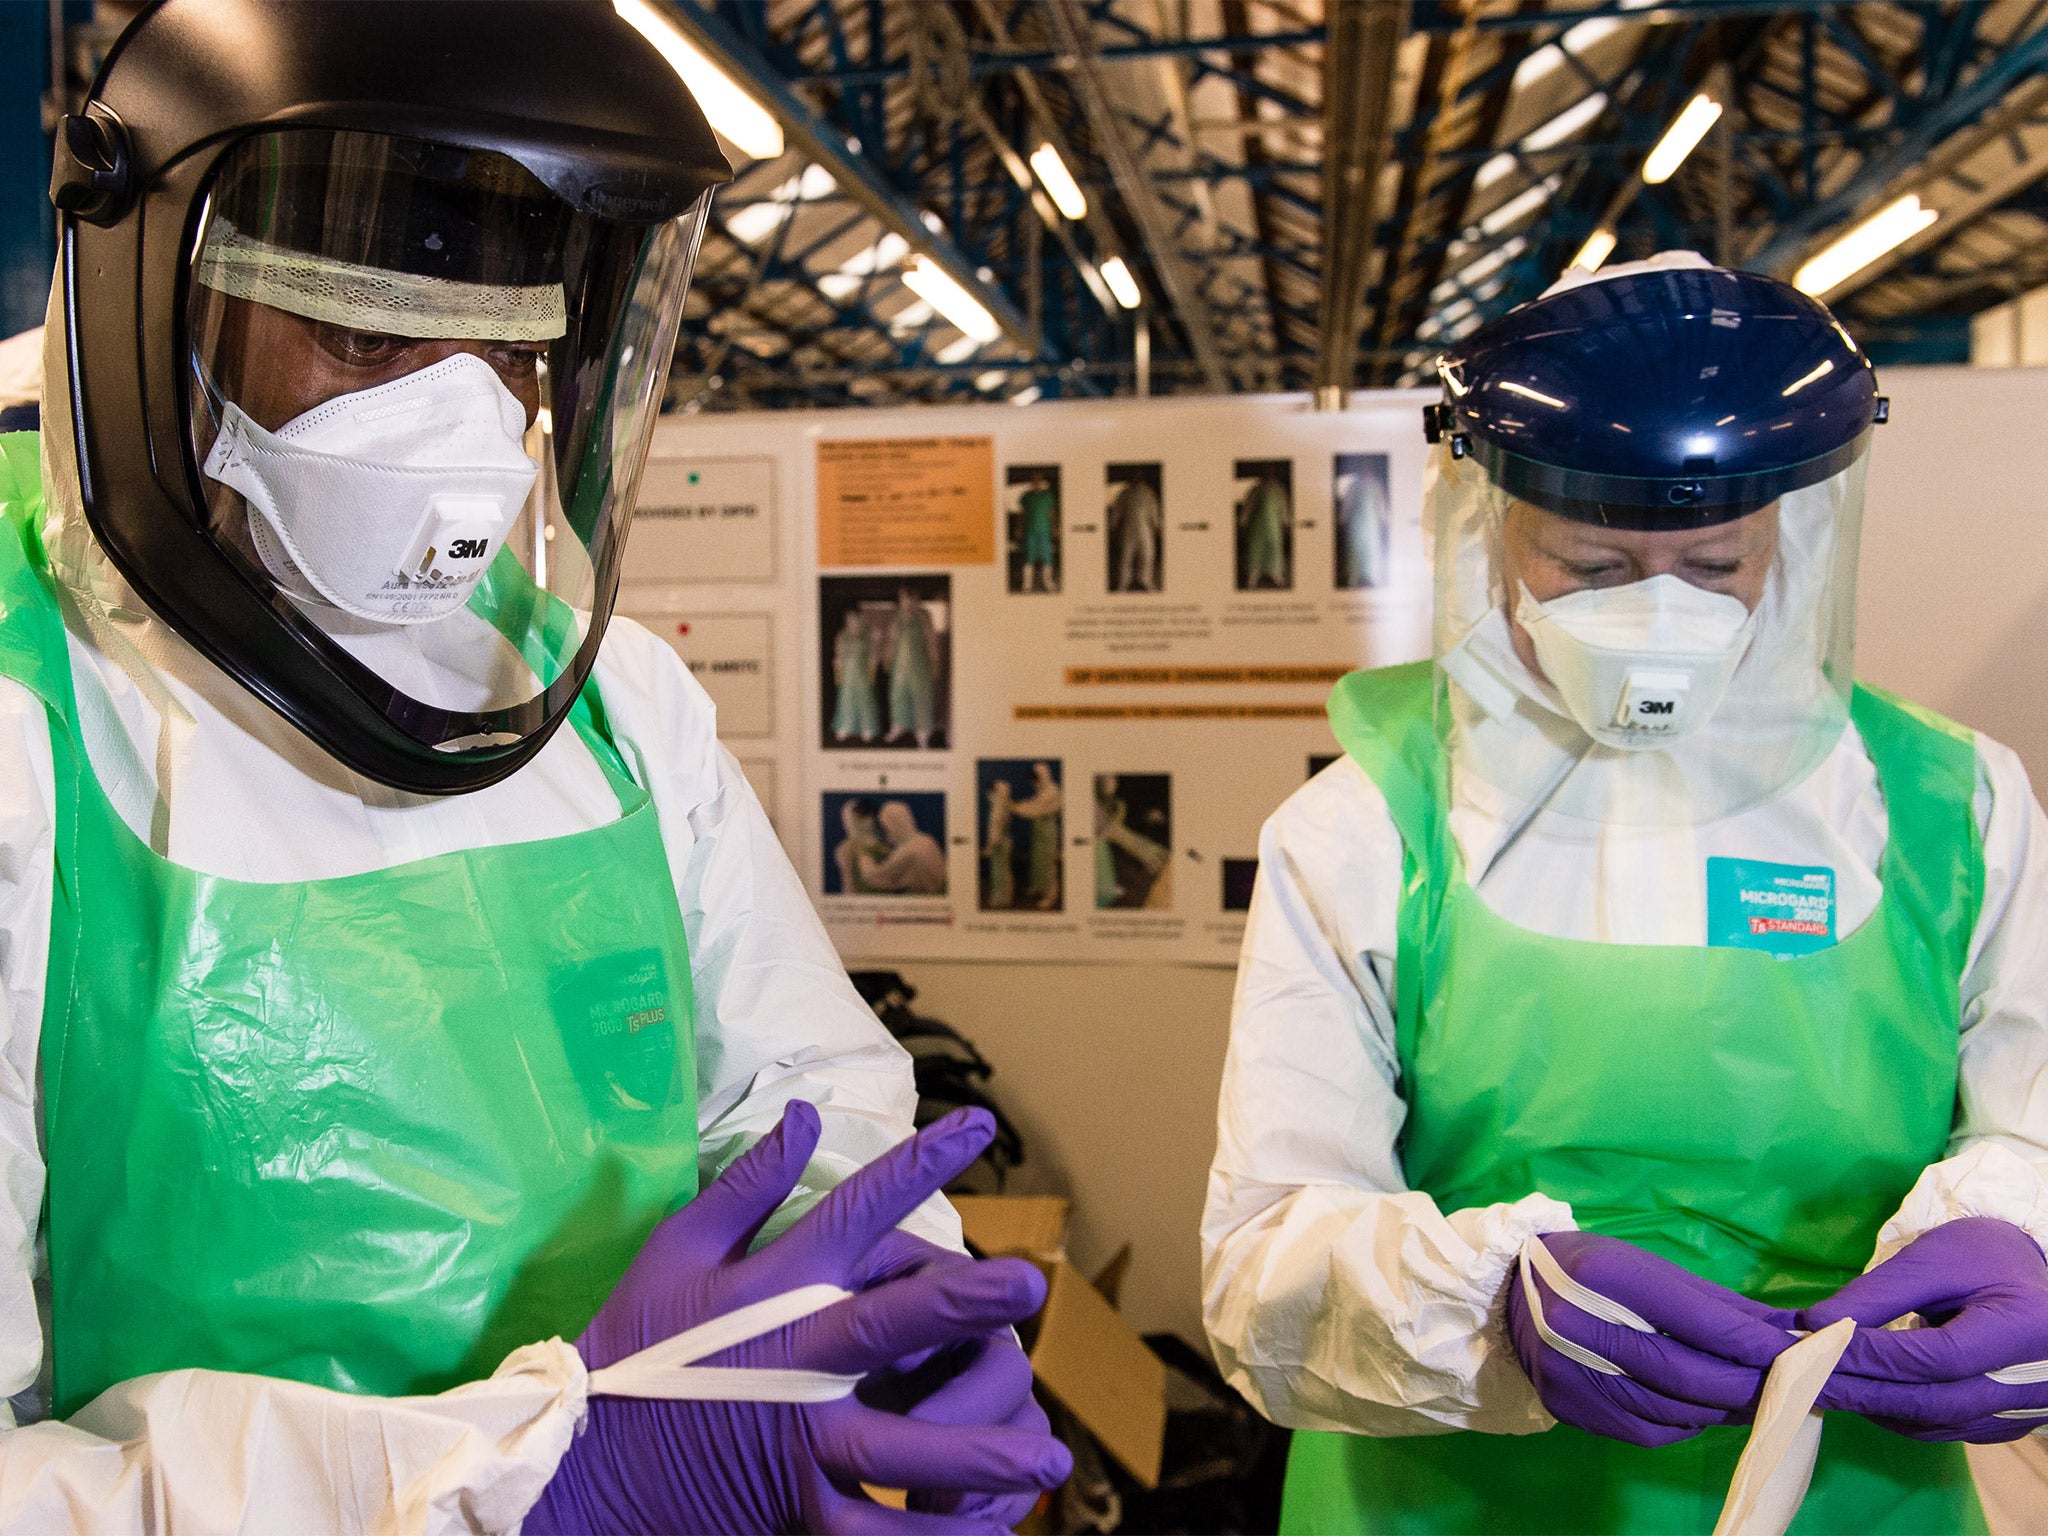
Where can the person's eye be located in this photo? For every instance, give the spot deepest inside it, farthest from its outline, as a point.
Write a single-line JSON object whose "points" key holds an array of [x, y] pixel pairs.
{"points": [[362, 349], [1714, 570], [1590, 572], [523, 361]]}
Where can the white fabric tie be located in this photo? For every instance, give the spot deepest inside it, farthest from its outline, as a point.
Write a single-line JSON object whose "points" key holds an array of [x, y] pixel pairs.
{"points": [[670, 1370], [2030, 1374], [1778, 1459], [1587, 1301]]}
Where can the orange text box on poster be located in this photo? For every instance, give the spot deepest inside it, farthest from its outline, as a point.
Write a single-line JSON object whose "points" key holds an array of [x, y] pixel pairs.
{"points": [[907, 501]]}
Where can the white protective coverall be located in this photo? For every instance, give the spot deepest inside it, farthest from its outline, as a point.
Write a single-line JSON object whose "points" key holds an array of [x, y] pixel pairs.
{"points": [[1336, 1297], [212, 779]]}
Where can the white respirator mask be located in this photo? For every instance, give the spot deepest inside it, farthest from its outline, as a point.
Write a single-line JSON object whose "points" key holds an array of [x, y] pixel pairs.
{"points": [[389, 503], [1641, 665]]}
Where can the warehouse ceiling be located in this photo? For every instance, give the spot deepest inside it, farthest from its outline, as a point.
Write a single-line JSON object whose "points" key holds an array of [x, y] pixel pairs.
{"points": [[1314, 194]]}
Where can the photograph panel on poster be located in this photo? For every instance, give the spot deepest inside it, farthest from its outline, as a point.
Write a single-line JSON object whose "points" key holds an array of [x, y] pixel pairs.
{"points": [[1033, 527], [1265, 524], [1133, 841], [886, 655], [1239, 875], [884, 842], [1134, 518], [1020, 833], [1364, 520]]}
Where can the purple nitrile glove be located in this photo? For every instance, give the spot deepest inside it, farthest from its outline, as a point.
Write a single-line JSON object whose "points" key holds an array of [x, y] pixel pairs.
{"points": [[1983, 1285], [990, 1383], [1705, 1364], [647, 1465]]}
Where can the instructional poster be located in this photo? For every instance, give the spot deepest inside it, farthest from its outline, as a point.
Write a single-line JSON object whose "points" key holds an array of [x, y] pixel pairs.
{"points": [[1023, 684]]}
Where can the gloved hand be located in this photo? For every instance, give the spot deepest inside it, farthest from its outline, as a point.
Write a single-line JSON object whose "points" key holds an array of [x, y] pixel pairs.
{"points": [[1983, 1285], [979, 1381], [646, 1465], [1704, 1365]]}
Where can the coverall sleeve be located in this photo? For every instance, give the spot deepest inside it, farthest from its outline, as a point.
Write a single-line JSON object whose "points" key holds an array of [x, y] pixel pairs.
{"points": [[1335, 1297], [1998, 1157]]}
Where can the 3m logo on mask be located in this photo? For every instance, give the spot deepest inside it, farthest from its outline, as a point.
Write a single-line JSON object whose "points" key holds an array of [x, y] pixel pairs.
{"points": [[1653, 702], [454, 540]]}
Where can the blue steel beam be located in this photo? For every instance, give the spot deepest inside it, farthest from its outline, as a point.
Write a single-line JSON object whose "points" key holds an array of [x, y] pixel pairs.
{"points": [[981, 65], [819, 140], [2013, 64]]}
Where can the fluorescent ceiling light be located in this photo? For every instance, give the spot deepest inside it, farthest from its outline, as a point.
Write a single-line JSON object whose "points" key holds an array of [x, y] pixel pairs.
{"points": [[1598, 247], [930, 282], [756, 221], [1058, 181], [958, 350], [1576, 40], [1538, 65], [1121, 283], [879, 257], [913, 316], [1492, 171], [746, 124], [1516, 208], [1882, 232], [1490, 263], [1026, 395], [1566, 123], [993, 379], [1686, 130], [1547, 136]]}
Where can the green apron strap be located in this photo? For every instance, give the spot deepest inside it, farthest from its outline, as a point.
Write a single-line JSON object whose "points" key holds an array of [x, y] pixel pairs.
{"points": [[542, 628], [31, 637], [1934, 855], [1385, 720], [33, 653]]}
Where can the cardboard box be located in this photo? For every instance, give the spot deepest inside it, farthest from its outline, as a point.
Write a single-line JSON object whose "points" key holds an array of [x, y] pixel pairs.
{"points": [[1082, 1350], [1094, 1362], [1032, 1226]]}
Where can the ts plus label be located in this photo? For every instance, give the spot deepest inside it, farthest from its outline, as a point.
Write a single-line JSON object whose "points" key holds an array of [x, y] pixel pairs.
{"points": [[1782, 909]]}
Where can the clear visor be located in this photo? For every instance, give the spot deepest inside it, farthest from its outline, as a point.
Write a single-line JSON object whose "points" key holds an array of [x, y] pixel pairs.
{"points": [[1556, 640], [421, 391]]}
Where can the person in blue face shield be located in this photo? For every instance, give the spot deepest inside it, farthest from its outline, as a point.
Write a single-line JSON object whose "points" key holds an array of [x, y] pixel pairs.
{"points": [[1636, 979], [428, 1101]]}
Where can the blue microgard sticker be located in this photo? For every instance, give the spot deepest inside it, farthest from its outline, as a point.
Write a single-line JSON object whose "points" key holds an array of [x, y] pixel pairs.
{"points": [[1781, 909]]}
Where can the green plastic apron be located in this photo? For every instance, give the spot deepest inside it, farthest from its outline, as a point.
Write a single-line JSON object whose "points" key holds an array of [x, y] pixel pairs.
{"points": [[1754, 1119], [371, 1132]]}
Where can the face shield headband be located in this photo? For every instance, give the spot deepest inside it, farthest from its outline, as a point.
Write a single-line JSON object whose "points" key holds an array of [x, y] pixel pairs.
{"points": [[366, 298], [1647, 504]]}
